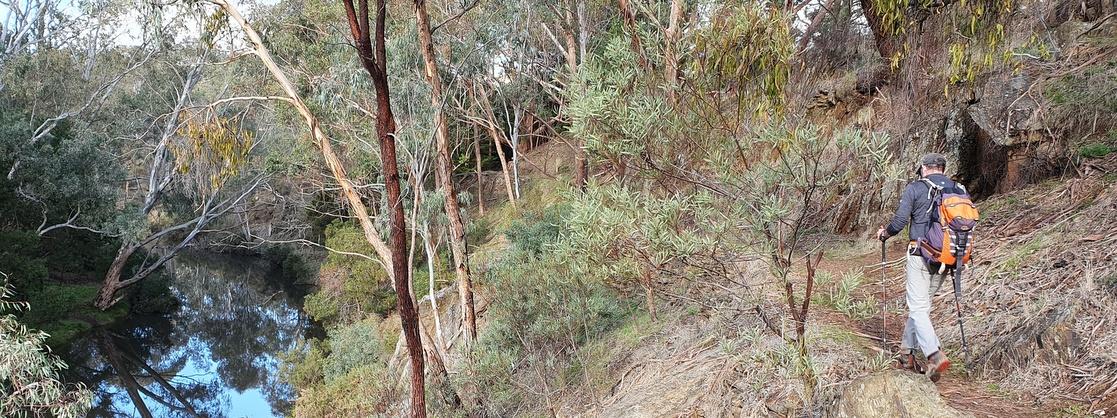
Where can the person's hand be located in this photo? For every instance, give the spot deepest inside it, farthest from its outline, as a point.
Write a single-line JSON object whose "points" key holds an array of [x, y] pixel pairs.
{"points": [[882, 234]]}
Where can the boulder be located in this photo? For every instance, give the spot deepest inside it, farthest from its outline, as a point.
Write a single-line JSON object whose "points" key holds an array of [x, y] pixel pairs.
{"points": [[893, 393]]}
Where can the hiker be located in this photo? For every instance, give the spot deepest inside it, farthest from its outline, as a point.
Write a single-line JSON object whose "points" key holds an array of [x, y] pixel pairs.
{"points": [[923, 280]]}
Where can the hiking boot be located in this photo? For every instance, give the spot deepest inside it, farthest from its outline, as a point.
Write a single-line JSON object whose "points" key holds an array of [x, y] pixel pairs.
{"points": [[937, 364], [908, 362]]}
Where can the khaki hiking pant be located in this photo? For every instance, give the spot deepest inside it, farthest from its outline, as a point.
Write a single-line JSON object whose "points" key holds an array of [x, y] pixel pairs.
{"points": [[921, 286]]}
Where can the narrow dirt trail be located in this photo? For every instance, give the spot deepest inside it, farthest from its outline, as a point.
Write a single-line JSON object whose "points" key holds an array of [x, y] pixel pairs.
{"points": [[963, 392]]}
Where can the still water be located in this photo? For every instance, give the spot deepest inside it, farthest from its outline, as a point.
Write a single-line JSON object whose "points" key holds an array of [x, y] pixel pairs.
{"points": [[216, 355]]}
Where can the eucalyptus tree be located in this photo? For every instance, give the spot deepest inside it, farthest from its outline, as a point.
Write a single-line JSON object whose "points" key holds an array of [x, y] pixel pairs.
{"points": [[370, 42], [203, 151], [506, 79], [33, 30], [444, 174], [26, 23], [372, 52], [70, 129], [68, 88], [569, 16]]}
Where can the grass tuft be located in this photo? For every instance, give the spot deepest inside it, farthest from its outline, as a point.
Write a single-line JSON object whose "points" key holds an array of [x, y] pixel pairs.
{"points": [[1095, 150]]}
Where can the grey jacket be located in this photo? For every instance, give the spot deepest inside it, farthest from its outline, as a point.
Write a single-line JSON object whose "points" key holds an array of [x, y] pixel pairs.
{"points": [[915, 205]]}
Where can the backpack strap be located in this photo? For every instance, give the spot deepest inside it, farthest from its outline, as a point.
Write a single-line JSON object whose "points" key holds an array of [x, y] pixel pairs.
{"points": [[932, 190]]}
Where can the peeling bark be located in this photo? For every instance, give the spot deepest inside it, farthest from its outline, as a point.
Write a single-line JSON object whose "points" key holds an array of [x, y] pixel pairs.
{"points": [[395, 258], [445, 177], [629, 18]]}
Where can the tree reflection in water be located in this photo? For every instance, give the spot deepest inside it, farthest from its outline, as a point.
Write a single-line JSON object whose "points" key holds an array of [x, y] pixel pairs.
{"points": [[214, 357]]}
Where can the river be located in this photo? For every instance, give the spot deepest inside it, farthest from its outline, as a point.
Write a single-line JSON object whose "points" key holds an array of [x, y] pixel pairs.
{"points": [[216, 355]]}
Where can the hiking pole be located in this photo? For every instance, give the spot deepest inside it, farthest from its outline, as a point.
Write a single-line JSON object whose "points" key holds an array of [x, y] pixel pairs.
{"points": [[958, 305], [883, 297]]}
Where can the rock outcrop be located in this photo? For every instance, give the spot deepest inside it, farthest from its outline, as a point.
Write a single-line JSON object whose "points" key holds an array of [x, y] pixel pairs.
{"points": [[894, 393]]}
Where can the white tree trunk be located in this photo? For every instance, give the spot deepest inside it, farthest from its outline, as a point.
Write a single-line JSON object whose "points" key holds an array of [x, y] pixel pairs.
{"points": [[429, 251]]}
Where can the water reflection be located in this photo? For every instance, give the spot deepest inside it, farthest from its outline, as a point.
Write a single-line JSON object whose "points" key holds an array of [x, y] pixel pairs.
{"points": [[214, 357]]}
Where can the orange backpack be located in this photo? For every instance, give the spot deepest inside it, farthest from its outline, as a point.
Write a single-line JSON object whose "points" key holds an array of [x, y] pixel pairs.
{"points": [[953, 219]]}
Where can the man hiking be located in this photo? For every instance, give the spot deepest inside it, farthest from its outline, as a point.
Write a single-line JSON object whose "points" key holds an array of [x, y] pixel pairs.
{"points": [[923, 281]]}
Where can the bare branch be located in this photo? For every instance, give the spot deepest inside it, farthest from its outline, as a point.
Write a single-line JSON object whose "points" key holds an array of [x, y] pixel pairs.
{"points": [[98, 95], [456, 16]]}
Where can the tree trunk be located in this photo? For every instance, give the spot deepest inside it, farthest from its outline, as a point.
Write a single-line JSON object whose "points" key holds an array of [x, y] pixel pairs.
{"points": [[445, 175], [629, 18], [160, 176], [568, 37], [395, 259], [106, 296], [815, 23], [477, 157], [884, 39], [583, 31], [428, 250], [515, 142], [649, 293], [581, 165], [482, 98], [112, 278], [670, 54]]}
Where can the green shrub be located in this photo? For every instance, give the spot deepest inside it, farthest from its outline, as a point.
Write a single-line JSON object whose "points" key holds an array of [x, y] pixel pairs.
{"points": [[842, 299], [1095, 150], [542, 304], [347, 236], [302, 365], [28, 365], [365, 391], [478, 231], [840, 294], [352, 346], [345, 375], [321, 306], [536, 229], [20, 258], [493, 367], [350, 287], [544, 314]]}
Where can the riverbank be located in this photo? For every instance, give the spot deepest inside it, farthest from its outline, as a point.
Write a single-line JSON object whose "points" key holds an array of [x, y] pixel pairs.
{"points": [[65, 312]]}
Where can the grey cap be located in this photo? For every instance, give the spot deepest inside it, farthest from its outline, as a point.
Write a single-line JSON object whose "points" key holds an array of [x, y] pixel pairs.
{"points": [[933, 160]]}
